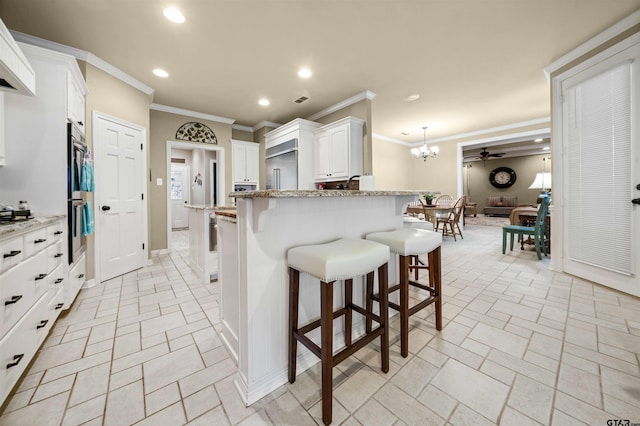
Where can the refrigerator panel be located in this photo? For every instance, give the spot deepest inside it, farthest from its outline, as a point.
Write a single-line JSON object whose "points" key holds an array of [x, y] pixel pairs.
{"points": [[282, 171]]}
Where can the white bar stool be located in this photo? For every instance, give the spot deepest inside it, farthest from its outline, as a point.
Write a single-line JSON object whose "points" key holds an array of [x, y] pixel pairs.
{"points": [[408, 243], [343, 259]]}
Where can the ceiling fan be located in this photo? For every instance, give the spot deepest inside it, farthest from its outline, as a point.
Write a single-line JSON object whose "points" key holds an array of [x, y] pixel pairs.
{"points": [[485, 155]]}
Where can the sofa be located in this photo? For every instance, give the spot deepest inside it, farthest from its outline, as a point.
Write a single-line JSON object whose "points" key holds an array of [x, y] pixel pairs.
{"points": [[500, 205]]}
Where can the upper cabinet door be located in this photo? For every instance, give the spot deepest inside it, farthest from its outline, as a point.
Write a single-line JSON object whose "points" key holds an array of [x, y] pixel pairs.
{"points": [[252, 163], [338, 150], [339, 158], [75, 102], [245, 160]]}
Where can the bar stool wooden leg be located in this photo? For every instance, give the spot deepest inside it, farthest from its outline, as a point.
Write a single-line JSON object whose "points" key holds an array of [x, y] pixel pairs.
{"points": [[294, 285], [404, 305], [383, 283], [369, 301], [326, 348], [348, 294], [435, 279]]}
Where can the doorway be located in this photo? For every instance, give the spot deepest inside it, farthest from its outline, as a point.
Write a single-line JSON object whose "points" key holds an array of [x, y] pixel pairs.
{"points": [[205, 183], [180, 195]]}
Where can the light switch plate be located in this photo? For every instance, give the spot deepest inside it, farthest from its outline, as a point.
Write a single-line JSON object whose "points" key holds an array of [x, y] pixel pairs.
{"points": [[159, 181]]}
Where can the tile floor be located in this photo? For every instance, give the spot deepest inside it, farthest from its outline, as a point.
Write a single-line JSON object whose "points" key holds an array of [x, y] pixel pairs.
{"points": [[521, 345]]}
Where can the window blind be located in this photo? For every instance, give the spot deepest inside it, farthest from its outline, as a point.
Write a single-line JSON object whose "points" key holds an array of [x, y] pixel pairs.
{"points": [[599, 212]]}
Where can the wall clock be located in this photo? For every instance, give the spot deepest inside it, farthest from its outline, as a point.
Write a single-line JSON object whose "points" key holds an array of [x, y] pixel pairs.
{"points": [[502, 177]]}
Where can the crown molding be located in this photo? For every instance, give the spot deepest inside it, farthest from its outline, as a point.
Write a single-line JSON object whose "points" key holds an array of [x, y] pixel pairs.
{"points": [[85, 56], [367, 94], [241, 127], [490, 130], [593, 43], [262, 124], [189, 113], [392, 140]]}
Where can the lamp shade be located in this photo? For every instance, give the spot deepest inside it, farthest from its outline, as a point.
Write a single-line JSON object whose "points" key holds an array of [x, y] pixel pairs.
{"points": [[542, 181]]}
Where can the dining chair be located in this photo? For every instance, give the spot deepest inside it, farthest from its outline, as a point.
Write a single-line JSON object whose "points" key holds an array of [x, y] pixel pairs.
{"points": [[538, 232], [452, 221], [444, 200], [416, 206]]}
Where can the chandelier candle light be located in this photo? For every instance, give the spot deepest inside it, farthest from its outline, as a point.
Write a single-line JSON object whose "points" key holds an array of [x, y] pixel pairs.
{"points": [[424, 152]]}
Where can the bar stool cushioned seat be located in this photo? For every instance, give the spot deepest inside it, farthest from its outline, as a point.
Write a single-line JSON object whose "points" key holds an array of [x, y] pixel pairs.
{"points": [[343, 259], [409, 243], [414, 222]]}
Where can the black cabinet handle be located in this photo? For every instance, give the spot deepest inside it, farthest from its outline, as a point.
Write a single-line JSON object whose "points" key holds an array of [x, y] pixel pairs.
{"points": [[57, 233], [16, 359], [12, 253], [105, 208], [57, 255], [42, 324], [58, 281], [59, 306], [41, 277], [636, 201], [40, 240], [81, 276], [14, 299], [80, 123]]}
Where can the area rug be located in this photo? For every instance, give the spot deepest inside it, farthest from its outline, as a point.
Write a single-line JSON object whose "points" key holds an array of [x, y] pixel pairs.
{"points": [[486, 220]]}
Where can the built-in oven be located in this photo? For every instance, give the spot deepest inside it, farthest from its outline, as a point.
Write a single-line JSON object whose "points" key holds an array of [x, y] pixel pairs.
{"points": [[76, 149]]}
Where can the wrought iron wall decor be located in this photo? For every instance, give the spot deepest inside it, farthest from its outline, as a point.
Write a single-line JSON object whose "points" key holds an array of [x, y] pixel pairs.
{"points": [[196, 132]]}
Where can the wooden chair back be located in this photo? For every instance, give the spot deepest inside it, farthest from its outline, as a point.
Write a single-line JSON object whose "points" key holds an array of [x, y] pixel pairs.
{"points": [[457, 209], [444, 200]]}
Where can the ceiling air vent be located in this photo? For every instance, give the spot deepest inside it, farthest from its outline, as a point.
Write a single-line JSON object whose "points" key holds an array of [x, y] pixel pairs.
{"points": [[301, 99]]}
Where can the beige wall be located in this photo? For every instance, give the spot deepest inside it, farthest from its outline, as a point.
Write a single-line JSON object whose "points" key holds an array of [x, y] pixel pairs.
{"points": [[163, 128], [478, 187], [395, 168], [111, 96], [242, 135]]}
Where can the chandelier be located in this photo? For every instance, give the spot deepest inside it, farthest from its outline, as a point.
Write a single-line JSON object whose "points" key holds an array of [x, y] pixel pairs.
{"points": [[424, 151]]}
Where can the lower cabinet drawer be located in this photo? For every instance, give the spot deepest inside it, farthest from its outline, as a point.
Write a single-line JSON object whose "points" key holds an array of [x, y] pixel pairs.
{"points": [[57, 280], [11, 252], [20, 344], [75, 281], [55, 307], [20, 287], [55, 255]]}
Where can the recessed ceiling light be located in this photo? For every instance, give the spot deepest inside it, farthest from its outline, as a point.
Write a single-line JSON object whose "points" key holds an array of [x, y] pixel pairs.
{"points": [[412, 97], [264, 102], [161, 73], [174, 15], [538, 140], [304, 73]]}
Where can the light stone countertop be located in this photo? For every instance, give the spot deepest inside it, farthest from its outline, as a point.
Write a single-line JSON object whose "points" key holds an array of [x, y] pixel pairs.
{"points": [[313, 193], [8, 229], [208, 207]]}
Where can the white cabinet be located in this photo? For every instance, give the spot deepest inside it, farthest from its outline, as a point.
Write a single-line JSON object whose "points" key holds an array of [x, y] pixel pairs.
{"points": [[338, 150], [36, 134], [2, 160], [32, 276], [75, 281], [75, 100], [302, 130], [245, 160]]}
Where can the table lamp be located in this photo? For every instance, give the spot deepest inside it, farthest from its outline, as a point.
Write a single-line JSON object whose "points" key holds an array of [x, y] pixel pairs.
{"points": [[542, 182]]}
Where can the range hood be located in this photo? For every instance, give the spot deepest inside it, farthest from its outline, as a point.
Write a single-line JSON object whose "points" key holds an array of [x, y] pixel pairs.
{"points": [[16, 73]]}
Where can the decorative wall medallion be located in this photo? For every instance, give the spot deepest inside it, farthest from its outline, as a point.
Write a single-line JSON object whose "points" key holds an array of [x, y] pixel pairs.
{"points": [[196, 132]]}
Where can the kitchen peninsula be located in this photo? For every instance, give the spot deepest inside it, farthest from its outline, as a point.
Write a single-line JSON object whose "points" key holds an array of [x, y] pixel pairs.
{"points": [[254, 278]]}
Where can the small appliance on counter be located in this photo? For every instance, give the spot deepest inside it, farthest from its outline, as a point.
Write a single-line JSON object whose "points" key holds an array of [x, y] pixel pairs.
{"points": [[9, 214]]}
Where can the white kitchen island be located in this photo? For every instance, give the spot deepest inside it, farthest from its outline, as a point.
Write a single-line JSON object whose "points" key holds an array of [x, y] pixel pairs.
{"points": [[254, 288]]}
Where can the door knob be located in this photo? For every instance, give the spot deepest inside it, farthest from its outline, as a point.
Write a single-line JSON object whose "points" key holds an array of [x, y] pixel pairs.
{"points": [[636, 201], [106, 208]]}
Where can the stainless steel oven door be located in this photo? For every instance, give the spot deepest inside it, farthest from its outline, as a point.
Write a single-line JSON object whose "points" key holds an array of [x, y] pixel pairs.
{"points": [[77, 241]]}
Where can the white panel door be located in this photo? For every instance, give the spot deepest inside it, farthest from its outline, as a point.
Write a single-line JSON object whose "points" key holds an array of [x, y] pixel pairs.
{"points": [[601, 172], [179, 196], [119, 192]]}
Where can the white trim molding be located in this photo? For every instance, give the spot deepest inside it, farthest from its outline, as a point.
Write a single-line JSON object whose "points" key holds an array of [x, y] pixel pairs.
{"points": [[262, 124], [392, 140], [367, 94], [241, 127], [189, 113], [86, 57], [593, 43]]}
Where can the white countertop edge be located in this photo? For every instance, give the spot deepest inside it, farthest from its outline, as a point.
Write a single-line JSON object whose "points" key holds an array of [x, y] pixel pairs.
{"points": [[314, 193]]}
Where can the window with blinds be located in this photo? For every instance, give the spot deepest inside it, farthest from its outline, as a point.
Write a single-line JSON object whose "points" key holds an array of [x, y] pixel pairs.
{"points": [[599, 172]]}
